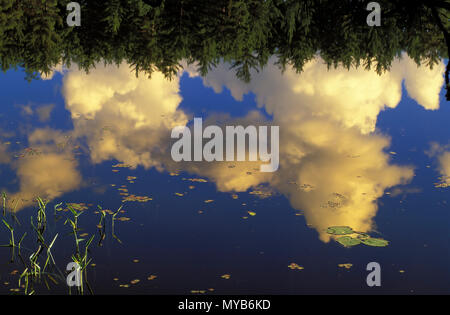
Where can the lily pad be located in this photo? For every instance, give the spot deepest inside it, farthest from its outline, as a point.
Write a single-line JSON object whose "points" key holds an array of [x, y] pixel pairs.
{"points": [[340, 230], [376, 242], [348, 241], [362, 235]]}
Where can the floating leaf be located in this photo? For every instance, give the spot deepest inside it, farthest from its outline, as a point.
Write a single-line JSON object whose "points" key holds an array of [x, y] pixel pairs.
{"points": [[348, 241], [376, 242]]}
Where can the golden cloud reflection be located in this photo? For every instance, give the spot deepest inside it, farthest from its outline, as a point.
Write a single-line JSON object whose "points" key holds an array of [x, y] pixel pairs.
{"points": [[47, 168], [121, 116], [333, 164]]}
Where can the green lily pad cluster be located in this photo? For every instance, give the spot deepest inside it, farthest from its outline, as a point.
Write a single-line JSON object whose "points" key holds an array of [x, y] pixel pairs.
{"points": [[360, 238]]}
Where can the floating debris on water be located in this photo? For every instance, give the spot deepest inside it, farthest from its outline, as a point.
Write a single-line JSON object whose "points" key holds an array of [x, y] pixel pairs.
{"points": [[196, 180], [294, 266], [444, 182], [346, 266], [198, 291], [137, 198], [77, 206], [261, 193], [122, 166], [131, 178], [376, 242]]}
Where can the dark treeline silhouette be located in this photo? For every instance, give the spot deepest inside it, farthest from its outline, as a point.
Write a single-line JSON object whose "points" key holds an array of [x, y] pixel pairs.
{"points": [[157, 34]]}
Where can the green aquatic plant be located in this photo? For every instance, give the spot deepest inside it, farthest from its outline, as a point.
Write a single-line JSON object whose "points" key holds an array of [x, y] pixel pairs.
{"points": [[19, 245], [356, 238], [57, 208], [112, 224], [41, 215], [34, 272], [74, 225], [348, 241], [11, 237], [375, 242], [102, 215], [101, 225], [4, 196], [83, 261], [362, 235], [340, 230], [41, 267], [80, 258]]}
